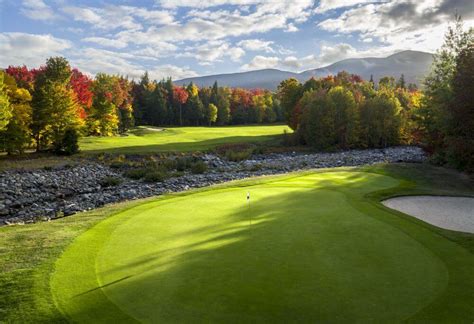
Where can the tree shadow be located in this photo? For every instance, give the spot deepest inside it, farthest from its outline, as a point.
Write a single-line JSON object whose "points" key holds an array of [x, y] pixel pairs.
{"points": [[307, 256]]}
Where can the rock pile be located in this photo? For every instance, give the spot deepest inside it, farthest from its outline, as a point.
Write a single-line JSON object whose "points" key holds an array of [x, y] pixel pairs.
{"points": [[28, 196]]}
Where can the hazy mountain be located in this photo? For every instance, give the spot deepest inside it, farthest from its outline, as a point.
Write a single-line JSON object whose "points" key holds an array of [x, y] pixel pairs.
{"points": [[414, 65]]}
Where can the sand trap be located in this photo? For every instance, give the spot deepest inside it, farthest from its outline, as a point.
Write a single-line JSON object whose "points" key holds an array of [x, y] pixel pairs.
{"points": [[153, 129], [453, 213]]}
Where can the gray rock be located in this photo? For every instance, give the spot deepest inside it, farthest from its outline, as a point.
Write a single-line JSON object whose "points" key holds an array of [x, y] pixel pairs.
{"points": [[28, 196]]}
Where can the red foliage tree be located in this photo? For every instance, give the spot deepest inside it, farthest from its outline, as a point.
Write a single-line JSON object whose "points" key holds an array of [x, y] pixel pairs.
{"points": [[180, 95], [24, 78], [81, 84]]}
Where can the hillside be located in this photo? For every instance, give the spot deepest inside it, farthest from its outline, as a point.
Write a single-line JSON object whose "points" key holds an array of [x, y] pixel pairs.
{"points": [[414, 65]]}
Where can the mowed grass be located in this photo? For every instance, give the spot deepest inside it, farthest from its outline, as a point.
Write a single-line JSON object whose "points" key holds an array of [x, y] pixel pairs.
{"points": [[311, 247], [147, 139], [308, 248]]}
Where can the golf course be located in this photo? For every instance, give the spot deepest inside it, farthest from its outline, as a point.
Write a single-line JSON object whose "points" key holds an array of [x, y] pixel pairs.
{"points": [[313, 246], [142, 140]]}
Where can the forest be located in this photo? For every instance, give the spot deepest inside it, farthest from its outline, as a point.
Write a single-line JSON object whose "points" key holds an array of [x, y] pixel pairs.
{"points": [[50, 107]]}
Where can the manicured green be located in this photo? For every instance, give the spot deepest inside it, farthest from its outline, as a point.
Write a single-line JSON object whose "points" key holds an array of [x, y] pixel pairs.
{"points": [[175, 139], [312, 246]]}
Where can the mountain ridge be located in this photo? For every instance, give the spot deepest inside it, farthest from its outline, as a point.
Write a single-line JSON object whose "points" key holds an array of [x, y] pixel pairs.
{"points": [[413, 64]]}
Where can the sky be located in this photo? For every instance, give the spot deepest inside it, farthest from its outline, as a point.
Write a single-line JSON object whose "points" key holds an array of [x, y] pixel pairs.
{"points": [[187, 38]]}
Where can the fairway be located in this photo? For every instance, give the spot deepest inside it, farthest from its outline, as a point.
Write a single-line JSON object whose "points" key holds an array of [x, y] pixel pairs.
{"points": [[179, 139], [307, 248]]}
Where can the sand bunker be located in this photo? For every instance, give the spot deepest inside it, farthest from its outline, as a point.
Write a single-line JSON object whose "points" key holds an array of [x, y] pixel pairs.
{"points": [[453, 213]]}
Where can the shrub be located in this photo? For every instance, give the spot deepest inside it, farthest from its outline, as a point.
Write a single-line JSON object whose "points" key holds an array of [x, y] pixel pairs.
{"points": [[184, 163], [71, 141], [256, 167], [199, 167], [169, 164], [236, 156], [119, 164], [155, 176], [136, 174], [236, 152], [110, 182]]}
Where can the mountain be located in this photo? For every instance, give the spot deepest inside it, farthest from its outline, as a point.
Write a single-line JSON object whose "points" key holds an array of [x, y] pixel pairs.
{"points": [[414, 65]]}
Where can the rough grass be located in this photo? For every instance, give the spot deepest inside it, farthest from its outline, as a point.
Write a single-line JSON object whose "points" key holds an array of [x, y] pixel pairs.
{"points": [[143, 140], [357, 259]]}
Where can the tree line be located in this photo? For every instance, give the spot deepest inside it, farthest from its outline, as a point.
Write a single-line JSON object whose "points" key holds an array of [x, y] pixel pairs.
{"points": [[52, 106], [344, 111]]}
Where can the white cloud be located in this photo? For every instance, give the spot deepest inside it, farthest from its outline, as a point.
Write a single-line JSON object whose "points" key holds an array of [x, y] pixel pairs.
{"points": [[256, 45], [113, 17], [326, 5], [30, 49], [204, 4], [219, 24], [213, 51], [328, 54], [407, 24], [37, 10], [93, 61], [173, 71], [155, 51], [107, 42], [291, 28], [262, 62]]}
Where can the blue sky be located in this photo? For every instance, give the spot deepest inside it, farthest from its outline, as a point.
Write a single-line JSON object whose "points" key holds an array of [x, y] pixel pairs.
{"points": [[184, 38]]}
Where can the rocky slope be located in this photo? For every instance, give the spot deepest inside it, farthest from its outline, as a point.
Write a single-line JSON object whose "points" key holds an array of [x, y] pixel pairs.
{"points": [[29, 196]]}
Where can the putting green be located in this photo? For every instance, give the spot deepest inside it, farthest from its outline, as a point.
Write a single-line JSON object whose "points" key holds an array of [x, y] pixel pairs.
{"points": [[308, 248]]}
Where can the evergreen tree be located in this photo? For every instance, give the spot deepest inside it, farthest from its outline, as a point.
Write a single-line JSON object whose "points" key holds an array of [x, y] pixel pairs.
{"points": [[401, 82], [156, 106], [460, 122], [223, 106], [435, 114], [214, 94]]}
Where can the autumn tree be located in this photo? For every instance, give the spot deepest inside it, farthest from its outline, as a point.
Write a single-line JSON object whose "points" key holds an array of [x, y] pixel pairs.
{"points": [[54, 104], [24, 77], [103, 119], [125, 106], [82, 84], [211, 113], [317, 120], [380, 120], [345, 116], [5, 109], [289, 92], [180, 97], [16, 136]]}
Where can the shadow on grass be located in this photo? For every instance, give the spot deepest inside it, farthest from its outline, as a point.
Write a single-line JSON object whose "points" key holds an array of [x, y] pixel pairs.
{"points": [[307, 255]]}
